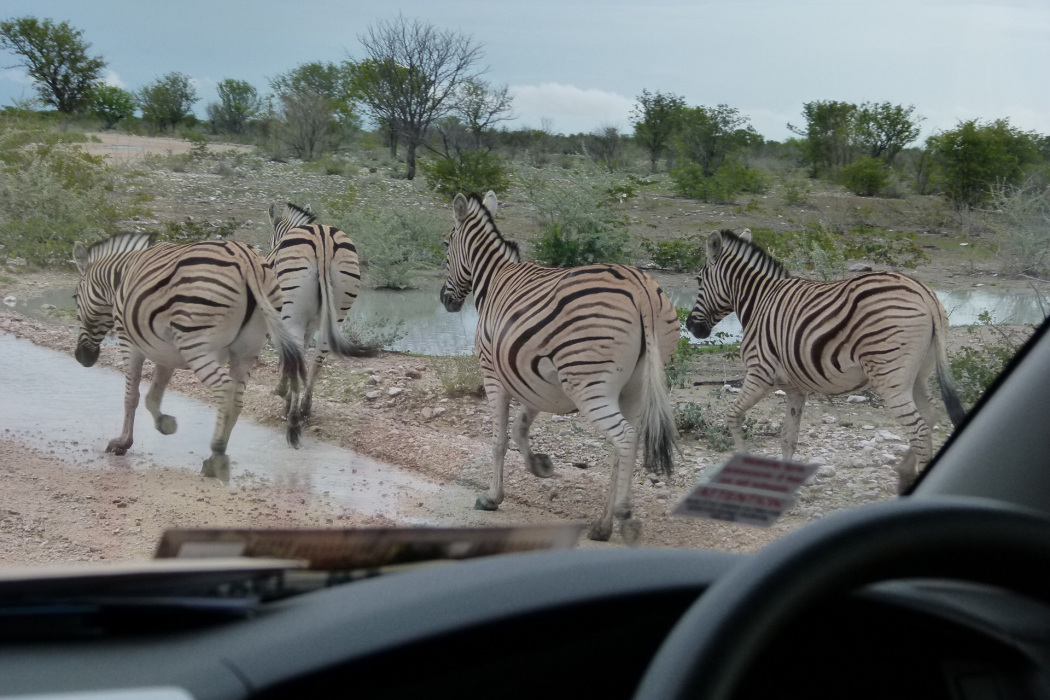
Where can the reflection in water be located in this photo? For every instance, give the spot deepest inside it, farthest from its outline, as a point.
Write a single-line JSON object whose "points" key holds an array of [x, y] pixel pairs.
{"points": [[51, 403], [430, 330]]}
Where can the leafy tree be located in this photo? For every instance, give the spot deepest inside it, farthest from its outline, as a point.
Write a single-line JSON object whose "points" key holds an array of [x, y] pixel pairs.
{"points": [[109, 104], [655, 118], [56, 58], [883, 130], [413, 77], [865, 176], [708, 135], [972, 158], [829, 134], [605, 146], [238, 104], [168, 100], [368, 77], [317, 107]]}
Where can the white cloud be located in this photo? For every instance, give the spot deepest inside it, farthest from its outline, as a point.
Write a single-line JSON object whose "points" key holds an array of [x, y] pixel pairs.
{"points": [[111, 78], [570, 109]]}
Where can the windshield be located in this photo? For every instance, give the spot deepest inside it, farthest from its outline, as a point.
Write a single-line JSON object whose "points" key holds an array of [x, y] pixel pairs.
{"points": [[898, 150]]}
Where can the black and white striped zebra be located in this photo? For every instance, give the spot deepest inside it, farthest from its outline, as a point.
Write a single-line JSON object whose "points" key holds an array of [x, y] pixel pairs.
{"points": [[320, 279], [194, 305], [882, 330], [593, 339]]}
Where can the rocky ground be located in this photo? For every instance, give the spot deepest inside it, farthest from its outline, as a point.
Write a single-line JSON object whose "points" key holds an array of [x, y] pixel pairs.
{"points": [[394, 408]]}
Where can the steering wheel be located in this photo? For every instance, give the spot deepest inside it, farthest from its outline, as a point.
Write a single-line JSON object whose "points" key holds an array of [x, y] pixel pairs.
{"points": [[718, 639]]}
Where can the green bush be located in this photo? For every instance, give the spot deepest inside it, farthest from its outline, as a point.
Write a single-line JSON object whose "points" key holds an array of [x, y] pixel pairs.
{"points": [[728, 181], [51, 195], [865, 176], [895, 248], [578, 226], [812, 250], [469, 171], [681, 255], [975, 367], [393, 246], [376, 332], [191, 231]]}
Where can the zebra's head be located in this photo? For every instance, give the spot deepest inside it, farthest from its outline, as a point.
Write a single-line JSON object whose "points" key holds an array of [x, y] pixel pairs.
{"points": [[472, 219], [100, 268], [283, 218], [713, 297]]}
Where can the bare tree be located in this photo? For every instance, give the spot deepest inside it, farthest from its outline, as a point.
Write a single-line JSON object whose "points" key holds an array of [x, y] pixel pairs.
{"points": [[416, 71], [481, 106]]}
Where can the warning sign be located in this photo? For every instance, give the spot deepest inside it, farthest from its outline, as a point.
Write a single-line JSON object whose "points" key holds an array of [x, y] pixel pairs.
{"points": [[747, 489]]}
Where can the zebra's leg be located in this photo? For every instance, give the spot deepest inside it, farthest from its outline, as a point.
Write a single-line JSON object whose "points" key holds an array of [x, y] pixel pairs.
{"points": [[796, 399], [752, 391], [165, 424], [306, 403], [213, 375], [624, 440], [537, 462], [902, 404], [132, 376], [499, 405]]}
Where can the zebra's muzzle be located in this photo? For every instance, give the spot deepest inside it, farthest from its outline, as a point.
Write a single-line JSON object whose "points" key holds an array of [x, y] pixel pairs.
{"points": [[86, 354], [451, 303], [699, 329]]}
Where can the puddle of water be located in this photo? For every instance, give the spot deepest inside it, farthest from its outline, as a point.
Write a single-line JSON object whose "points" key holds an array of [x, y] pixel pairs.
{"points": [[430, 330], [51, 403]]}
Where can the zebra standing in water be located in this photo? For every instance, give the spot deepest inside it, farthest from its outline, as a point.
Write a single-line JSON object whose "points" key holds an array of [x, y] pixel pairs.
{"points": [[591, 338], [320, 278], [195, 305], [882, 329]]}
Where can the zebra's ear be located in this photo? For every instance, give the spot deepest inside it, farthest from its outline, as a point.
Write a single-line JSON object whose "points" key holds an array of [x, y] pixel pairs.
{"points": [[491, 202], [746, 235], [459, 207], [714, 246], [273, 211], [80, 257]]}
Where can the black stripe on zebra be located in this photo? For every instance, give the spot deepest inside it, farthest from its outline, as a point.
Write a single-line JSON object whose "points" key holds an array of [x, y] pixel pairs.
{"points": [[593, 339], [193, 305], [882, 330]]}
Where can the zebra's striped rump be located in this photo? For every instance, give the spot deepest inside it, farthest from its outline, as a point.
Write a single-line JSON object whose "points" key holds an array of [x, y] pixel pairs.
{"points": [[200, 306], [882, 330], [592, 339], [320, 277]]}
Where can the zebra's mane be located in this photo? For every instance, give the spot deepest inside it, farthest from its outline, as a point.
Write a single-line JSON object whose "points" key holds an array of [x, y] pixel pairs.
{"points": [[296, 215], [511, 247], [120, 243], [755, 256]]}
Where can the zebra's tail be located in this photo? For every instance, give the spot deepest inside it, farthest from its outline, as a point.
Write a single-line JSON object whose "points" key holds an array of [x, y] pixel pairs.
{"points": [[659, 438], [292, 365], [949, 394], [337, 342]]}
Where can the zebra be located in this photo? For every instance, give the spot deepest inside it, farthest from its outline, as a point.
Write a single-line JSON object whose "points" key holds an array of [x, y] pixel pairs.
{"points": [[193, 305], [320, 278], [592, 339], [882, 330]]}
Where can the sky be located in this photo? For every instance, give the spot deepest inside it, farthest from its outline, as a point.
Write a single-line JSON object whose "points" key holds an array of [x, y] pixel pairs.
{"points": [[579, 65]]}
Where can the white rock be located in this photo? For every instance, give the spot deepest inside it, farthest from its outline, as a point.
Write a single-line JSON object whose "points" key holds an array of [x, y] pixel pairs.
{"points": [[730, 389], [373, 395], [394, 391], [856, 398], [427, 413], [828, 419], [10, 300], [780, 392], [867, 427], [887, 435]]}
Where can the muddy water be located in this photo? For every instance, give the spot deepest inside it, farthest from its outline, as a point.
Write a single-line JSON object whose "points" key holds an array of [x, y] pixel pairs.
{"points": [[51, 403]]}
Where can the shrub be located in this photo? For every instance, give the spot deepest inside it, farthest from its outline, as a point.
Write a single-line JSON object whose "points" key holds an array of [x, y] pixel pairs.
{"points": [[812, 250], [469, 171], [190, 231], [974, 368], [681, 255], [895, 248], [374, 333], [50, 197], [865, 176], [729, 180], [460, 375], [578, 227], [393, 246]]}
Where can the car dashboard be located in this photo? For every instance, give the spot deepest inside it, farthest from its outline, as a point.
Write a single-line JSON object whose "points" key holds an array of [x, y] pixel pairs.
{"points": [[545, 624]]}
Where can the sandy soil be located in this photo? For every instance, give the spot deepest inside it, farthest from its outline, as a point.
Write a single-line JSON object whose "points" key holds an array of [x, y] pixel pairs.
{"points": [[53, 511], [123, 148]]}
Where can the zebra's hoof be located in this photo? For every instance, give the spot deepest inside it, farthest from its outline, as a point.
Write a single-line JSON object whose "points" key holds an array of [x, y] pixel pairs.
{"points": [[486, 503], [541, 465], [305, 406], [167, 425], [631, 531], [600, 531], [118, 447], [217, 467]]}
